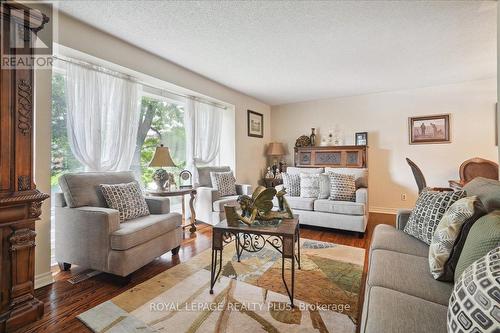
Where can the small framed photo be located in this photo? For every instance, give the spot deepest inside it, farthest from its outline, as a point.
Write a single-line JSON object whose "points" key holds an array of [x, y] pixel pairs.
{"points": [[429, 129], [255, 124], [362, 139]]}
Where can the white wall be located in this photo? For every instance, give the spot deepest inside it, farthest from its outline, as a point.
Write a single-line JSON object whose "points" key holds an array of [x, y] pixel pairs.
{"points": [[385, 117]]}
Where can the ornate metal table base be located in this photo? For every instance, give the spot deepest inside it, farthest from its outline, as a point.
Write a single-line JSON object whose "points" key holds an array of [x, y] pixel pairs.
{"points": [[254, 242]]}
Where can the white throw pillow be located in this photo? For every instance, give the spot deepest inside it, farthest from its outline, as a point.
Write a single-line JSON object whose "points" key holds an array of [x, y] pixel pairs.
{"points": [[224, 182], [342, 187], [291, 183], [126, 198], [309, 185]]}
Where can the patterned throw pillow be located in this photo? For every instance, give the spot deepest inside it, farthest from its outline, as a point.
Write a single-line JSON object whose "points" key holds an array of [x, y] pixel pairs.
{"points": [[450, 236], [126, 198], [324, 186], [224, 182], [309, 185], [292, 184], [428, 212], [474, 302], [342, 187]]}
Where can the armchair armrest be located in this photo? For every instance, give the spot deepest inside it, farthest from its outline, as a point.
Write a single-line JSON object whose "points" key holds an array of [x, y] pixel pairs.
{"points": [[245, 189], [83, 235], [362, 195], [158, 205], [402, 218]]}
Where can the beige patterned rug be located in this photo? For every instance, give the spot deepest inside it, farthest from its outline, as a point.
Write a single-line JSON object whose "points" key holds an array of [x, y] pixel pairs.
{"points": [[249, 296]]}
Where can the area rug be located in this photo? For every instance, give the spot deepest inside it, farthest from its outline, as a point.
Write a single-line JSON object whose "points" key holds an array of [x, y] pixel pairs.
{"points": [[248, 297]]}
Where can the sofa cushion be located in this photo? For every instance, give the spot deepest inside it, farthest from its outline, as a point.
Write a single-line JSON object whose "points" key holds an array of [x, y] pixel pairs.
{"points": [[204, 174], [450, 235], [360, 174], [428, 211], [386, 237], [324, 186], [297, 170], [83, 188], [143, 229], [392, 311], [488, 191], [218, 205], [483, 237], [127, 199], [339, 207], [297, 203], [408, 274]]}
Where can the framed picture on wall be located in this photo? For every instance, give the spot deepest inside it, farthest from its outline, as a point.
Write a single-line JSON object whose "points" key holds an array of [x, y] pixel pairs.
{"points": [[361, 139], [255, 124], [429, 129]]}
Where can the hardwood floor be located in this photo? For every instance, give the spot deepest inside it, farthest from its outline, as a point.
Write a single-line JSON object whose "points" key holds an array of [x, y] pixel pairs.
{"points": [[64, 301]]}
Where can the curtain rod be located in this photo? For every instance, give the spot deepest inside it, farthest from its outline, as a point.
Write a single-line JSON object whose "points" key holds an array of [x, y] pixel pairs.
{"points": [[120, 75]]}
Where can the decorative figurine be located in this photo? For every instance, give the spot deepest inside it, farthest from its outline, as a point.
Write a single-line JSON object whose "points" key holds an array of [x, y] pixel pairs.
{"points": [[269, 173], [258, 207], [312, 137]]}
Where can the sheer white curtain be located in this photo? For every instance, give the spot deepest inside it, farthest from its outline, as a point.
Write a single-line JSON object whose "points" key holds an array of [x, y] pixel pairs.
{"points": [[103, 116], [203, 124]]}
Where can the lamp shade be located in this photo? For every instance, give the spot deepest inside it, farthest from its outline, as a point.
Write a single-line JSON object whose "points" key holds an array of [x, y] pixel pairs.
{"points": [[162, 158], [275, 149]]}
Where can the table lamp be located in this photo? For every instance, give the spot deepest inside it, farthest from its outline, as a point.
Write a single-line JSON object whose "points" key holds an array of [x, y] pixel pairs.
{"points": [[275, 149], [162, 159]]}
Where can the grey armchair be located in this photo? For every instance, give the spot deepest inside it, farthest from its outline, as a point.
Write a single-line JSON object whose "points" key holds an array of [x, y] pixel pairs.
{"points": [[209, 204], [89, 234]]}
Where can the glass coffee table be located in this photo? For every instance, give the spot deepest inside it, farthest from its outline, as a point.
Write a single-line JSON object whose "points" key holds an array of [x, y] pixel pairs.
{"points": [[280, 234]]}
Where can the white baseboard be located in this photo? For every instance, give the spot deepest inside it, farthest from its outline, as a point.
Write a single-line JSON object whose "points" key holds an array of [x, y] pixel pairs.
{"points": [[383, 210], [44, 279]]}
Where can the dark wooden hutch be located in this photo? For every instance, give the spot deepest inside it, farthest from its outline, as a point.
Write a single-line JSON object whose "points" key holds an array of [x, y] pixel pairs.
{"points": [[331, 156], [20, 201]]}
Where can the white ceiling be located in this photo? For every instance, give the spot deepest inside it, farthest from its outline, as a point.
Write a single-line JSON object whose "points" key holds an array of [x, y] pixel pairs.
{"points": [[289, 51]]}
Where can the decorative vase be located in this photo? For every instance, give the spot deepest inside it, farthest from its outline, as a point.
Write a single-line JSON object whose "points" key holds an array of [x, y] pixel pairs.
{"points": [[312, 137]]}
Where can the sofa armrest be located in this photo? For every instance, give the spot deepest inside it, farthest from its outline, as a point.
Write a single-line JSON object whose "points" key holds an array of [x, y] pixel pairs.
{"points": [[244, 189], [59, 200], [158, 205], [83, 235], [207, 194], [402, 218], [362, 195]]}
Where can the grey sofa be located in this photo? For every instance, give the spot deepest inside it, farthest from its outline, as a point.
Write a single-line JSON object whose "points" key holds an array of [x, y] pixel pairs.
{"points": [[327, 213], [209, 205], [400, 293], [89, 234]]}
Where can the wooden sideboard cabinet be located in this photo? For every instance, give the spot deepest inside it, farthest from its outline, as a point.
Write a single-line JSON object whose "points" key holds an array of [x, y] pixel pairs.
{"points": [[331, 156], [20, 201]]}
